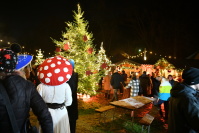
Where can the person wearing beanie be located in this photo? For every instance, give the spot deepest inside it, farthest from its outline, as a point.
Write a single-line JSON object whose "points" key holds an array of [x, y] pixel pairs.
{"points": [[184, 104], [22, 95]]}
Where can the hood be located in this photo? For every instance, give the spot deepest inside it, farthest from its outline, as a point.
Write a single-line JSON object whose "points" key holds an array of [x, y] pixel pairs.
{"points": [[181, 89]]}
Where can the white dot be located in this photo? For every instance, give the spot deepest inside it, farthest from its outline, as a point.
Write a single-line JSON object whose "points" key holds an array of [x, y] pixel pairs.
{"points": [[47, 80], [65, 69], [68, 76], [58, 58], [52, 65], [67, 63], [41, 75], [60, 79], [49, 74], [59, 62], [57, 70], [41, 68], [46, 68], [48, 61]]}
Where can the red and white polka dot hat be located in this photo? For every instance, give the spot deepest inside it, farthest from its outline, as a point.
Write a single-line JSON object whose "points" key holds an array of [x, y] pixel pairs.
{"points": [[55, 71]]}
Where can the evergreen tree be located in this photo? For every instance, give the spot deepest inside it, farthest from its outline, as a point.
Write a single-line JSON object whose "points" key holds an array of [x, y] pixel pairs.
{"points": [[103, 60], [39, 58], [77, 44]]}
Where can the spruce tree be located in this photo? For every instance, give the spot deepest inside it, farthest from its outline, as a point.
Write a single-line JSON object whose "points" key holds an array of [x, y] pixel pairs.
{"points": [[104, 60], [39, 58], [77, 44]]}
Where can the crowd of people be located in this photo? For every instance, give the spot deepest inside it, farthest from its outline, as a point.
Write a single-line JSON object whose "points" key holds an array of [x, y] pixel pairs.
{"points": [[179, 97], [50, 91]]}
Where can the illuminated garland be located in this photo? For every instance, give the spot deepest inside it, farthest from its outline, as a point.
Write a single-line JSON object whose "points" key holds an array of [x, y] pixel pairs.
{"points": [[141, 54]]}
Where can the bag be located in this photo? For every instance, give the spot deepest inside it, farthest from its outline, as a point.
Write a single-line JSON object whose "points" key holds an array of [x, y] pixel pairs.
{"points": [[29, 128]]}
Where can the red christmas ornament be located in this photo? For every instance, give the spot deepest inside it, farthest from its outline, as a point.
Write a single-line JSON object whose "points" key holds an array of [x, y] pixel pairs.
{"points": [[85, 38], [90, 51], [66, 46], [88, 72], [104, 65], [58, 49]]}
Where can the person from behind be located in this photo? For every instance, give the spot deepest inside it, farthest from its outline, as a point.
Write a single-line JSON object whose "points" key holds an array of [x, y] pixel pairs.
{"points": [[73, 108], [116, 82], [22, 95], [134, 85], [184, 104], [107, 85], [24, 65], [145, 84], [163, 96], [53, 73]]}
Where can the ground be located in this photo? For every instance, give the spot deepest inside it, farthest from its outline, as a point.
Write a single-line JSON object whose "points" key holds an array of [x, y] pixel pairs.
{"points": [[88, 121]]}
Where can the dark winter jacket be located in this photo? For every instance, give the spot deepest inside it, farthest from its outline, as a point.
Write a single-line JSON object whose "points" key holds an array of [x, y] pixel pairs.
{"points": [[73, 108], [116, 80], [156, 85], [183, 110], [23, 96], [173, 82]]}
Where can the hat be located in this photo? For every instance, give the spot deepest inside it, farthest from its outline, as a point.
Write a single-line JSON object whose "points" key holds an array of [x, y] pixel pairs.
{"points": [[23, 61], [72, 62], [55, 71], [8, 58], [191, 76]]}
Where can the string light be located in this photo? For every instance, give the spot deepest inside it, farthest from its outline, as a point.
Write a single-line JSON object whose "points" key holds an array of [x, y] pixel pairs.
{"points": [[145, 52]]}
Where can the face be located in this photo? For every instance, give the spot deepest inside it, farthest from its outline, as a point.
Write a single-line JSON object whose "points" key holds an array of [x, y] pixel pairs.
{"points": [[170, 77]]}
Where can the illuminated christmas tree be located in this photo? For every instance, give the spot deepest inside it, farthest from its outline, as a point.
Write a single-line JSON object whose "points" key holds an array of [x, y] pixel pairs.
{"points": [[77, 44], [103, 60], [39, 58]]}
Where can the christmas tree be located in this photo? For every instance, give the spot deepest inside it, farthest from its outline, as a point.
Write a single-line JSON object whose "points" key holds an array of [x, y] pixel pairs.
{"points": [[39, 58], [103, 60], [77, 44]]}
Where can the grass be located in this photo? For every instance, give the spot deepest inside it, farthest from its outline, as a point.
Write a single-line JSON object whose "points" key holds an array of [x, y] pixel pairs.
{"points": [[121, 124]]}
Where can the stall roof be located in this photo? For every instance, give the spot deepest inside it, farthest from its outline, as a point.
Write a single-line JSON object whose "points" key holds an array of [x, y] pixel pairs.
{"points": [[128, 61]]}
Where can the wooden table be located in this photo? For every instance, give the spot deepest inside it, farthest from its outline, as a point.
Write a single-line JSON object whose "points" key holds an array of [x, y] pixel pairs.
{"points": [[132, 103]]}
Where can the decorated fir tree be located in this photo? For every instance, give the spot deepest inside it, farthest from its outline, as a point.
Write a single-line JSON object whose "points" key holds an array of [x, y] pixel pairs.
{"points": [[103, 60], [39, 58], [77, 44], [164, 64]]}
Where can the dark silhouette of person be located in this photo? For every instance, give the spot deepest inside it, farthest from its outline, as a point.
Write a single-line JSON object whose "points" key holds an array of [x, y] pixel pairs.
{"points": [[22, 94], [73, 109], [116, 81]]}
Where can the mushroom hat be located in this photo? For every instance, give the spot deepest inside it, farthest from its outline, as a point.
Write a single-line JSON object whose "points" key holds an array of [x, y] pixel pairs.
{"points": [[55, 71]]}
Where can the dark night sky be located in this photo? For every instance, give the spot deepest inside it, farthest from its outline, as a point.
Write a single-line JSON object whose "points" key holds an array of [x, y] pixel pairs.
{"points": [[165, 27]]}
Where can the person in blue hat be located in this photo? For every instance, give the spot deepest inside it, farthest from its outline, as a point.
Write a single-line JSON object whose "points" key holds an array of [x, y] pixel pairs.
{"points": [[24, 65], [22, 95]]}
